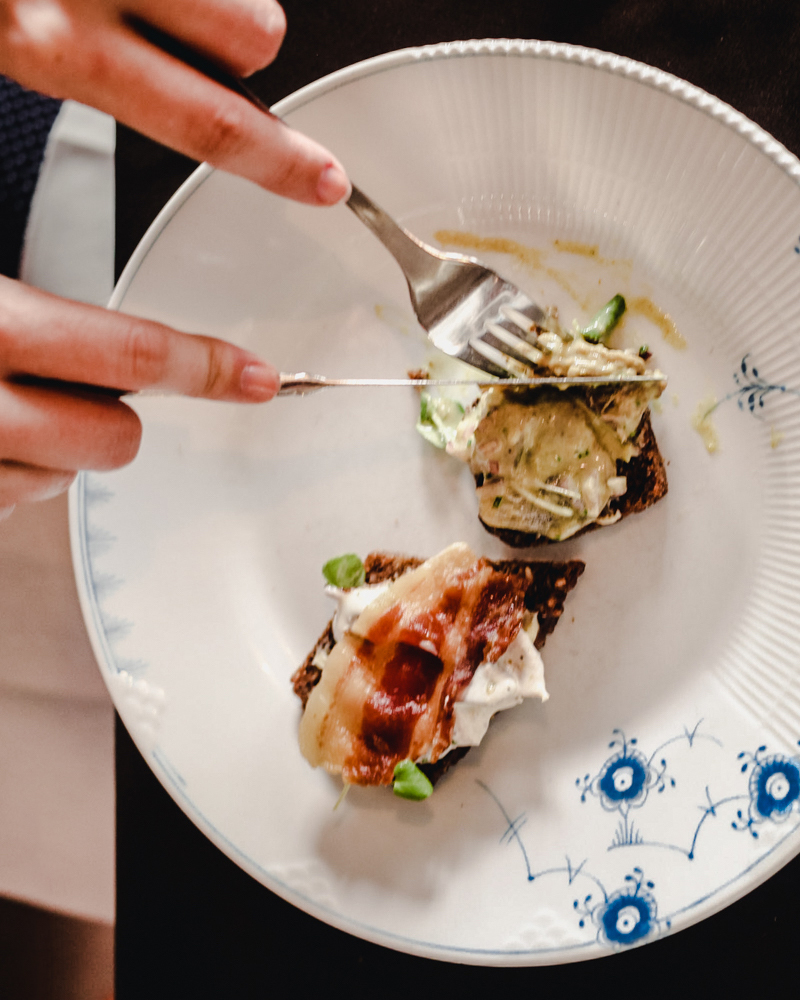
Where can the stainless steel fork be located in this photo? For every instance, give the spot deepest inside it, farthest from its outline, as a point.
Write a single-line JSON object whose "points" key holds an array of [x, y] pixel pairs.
{"points": [[468, 310]]}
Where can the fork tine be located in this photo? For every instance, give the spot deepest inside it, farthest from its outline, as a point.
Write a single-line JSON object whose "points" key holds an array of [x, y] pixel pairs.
{"points": [[522, 349], [499, 359], [524, 322], [529, 326]]}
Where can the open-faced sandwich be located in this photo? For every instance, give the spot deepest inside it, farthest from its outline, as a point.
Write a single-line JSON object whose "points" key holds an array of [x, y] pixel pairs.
{"points": [[549, 463], [418, 658]]}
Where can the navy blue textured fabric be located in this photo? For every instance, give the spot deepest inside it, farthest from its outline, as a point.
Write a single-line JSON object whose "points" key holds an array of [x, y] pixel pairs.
{"points": [[25, 122]]}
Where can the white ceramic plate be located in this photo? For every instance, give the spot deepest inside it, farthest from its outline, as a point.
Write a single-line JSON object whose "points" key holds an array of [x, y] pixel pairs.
{"points": [[661, 781]]}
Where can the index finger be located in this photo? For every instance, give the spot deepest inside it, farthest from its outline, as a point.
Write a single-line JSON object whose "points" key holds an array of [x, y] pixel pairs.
{"points": [[49, 337], [99, 58]]}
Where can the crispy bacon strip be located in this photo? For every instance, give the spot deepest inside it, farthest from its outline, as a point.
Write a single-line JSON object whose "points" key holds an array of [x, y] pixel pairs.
{"points": [[388, 690]]}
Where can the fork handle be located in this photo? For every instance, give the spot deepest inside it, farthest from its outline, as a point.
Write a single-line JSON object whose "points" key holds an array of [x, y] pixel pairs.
{"points": [[418, 261], [436, 280]]}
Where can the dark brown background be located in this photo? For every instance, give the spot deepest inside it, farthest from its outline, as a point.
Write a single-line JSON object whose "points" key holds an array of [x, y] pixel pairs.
{"points": [[192, 924]]}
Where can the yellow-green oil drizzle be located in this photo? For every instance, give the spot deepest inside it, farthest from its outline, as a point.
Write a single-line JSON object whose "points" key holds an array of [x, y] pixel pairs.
{"points": [[530, 257], [646, 307], [701, 422], [534, 259]]}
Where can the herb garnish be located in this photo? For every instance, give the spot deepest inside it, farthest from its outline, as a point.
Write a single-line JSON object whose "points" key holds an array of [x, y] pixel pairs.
{"points": [[410, 782], [439, 418], [604, 321], [344, 571]]}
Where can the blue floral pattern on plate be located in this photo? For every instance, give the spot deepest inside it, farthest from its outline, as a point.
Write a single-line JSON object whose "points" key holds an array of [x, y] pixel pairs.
{"points": [[774, 789], [629, 914], [751, 388]]}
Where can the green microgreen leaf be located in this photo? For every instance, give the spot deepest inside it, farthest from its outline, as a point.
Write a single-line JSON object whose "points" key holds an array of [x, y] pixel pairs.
{"points": [[344, 571], [410, 782]]}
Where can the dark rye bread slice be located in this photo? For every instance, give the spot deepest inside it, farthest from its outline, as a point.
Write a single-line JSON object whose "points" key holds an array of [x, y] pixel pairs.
{"points": [[548, 586], [647, 483]]}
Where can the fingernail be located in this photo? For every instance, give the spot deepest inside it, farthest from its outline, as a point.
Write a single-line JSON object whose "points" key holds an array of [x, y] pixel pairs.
{"points": [[259, 381], [333, 185]]}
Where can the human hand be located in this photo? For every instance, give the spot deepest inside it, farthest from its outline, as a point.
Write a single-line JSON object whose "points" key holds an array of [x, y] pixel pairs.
{"points": [[50, 431], [89, 50]]}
